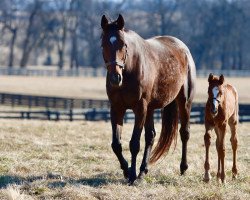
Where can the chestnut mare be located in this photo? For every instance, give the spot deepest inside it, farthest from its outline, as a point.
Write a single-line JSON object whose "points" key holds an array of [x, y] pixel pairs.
{"points": [[221, 109], [144, 75]]}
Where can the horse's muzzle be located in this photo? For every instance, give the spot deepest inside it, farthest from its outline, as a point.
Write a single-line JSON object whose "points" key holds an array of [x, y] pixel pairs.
{"points": [[214, 110], [116, 79]]}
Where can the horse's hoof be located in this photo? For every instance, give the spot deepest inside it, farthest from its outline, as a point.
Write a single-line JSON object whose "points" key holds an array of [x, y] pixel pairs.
{"points": [[125, 174], [142, 174], [234, 176], [125, 170], [183, 168], [132, 177], [207, 177]]}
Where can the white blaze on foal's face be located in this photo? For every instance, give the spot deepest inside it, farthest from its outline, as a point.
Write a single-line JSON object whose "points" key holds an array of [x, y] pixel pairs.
{"points": [[215, 91], [112, 39]]}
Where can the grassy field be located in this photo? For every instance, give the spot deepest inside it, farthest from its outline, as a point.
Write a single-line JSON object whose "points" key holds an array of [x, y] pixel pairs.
{"points": [[94, 88], [74, 160]]}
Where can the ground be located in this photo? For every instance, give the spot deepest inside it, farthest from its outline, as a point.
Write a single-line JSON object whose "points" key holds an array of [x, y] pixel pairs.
{"points": [[74, 160]]}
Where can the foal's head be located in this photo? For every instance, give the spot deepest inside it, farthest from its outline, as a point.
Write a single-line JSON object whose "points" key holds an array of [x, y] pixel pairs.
{"points": [[215, 92], [114, 49]]}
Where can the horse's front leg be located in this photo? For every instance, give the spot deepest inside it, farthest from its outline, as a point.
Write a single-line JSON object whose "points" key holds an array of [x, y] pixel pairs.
{"points": [[117, 123], [149, 141], [134, 145], [207, 141]]}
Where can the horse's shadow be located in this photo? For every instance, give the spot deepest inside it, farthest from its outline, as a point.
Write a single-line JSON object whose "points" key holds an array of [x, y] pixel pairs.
{"points": [[58, 181]]}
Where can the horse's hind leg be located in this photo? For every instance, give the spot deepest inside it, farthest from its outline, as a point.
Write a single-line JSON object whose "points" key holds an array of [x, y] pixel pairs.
{"points": [[184, 113], [234, 143], [149, 141], [117, 122]]}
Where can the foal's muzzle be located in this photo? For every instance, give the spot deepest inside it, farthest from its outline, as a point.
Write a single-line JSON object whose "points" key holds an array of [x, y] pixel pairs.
{"points": [[214, 107], [116, 79], [214, 110]]}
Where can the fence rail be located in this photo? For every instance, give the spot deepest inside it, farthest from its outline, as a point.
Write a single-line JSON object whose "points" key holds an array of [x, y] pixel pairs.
{"points": [[103, 114], [50, 102], [72, 109], [101, 72]]}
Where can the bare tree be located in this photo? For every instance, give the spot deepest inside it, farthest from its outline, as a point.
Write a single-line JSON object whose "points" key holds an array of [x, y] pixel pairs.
{"points": [[9, 20], [34, 33]]}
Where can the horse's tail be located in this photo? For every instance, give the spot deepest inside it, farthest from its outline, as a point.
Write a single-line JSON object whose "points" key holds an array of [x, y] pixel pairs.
{"points": [[168, 131]]}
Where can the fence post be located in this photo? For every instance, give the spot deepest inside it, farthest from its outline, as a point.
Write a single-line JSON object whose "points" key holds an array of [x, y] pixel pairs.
{"points": [[19, 99], [12, 101], [48, 114], [28, 115], [30, 101], [70, 115], [57, 116], [2, 98]]}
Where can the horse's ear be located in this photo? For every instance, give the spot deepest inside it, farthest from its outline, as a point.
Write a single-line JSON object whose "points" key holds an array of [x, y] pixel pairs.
{"points": [[221, 79], [120, 22], [104, 22], [210, 77]]}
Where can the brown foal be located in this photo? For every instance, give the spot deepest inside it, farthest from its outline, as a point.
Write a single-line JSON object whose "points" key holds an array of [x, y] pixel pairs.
{"points": [[221, 109]]}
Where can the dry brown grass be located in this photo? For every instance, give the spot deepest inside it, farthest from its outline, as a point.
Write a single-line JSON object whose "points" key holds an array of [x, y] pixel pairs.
{"points": [[94, 88], [63, 160]]}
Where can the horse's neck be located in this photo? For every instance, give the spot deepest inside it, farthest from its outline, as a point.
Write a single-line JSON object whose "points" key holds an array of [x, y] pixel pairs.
{"points": [[136, 46]]}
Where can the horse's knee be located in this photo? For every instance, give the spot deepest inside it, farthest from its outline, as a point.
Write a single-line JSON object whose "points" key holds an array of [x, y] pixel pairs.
{"points": [[185, 134], [134, 146], [234, 142], [149, 137], [117, 147], [207, 139], [222, 151], [207, 165]]}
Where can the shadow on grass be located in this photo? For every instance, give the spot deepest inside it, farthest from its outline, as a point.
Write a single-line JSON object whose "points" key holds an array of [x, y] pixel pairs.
{"points": [[94, 182], [6, 180], [58, 181]]}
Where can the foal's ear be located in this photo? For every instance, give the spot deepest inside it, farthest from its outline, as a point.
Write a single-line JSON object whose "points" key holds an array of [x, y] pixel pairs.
{"points": [[210, 77], [104, 22], [221, 79], [120, 22]]}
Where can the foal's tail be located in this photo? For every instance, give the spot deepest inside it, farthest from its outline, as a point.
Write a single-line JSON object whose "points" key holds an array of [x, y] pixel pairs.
{"points": [[168, 131]]}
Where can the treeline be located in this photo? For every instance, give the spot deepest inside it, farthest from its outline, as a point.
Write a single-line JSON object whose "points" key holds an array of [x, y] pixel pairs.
{"points": [[67, 33]]}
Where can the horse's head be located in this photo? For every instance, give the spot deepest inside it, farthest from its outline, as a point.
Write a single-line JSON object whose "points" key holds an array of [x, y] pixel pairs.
{"points": [[114, 49], [215, 92]]}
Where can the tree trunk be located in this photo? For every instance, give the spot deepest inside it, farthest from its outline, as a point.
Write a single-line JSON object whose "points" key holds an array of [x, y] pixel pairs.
{"points": [[12, 45], [25, 55], [61, 48], [74, 50]]}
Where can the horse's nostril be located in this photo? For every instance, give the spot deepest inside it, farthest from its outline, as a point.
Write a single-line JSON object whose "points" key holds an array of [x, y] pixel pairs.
{"points": [[119, 78]]}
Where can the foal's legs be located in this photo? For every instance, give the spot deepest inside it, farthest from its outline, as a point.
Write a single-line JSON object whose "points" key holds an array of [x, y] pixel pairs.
{"points": [[207, 141], [117, 123], [220, 145], [234, 143], [149, 141]]}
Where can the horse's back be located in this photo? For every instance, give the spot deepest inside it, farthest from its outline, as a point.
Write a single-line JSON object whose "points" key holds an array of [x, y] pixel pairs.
{"points": [[173, 61], [231, 101], [173, 47]]}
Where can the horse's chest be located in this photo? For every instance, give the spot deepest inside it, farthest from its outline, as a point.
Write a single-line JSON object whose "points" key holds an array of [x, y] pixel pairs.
{"points": [[125, 97]]}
